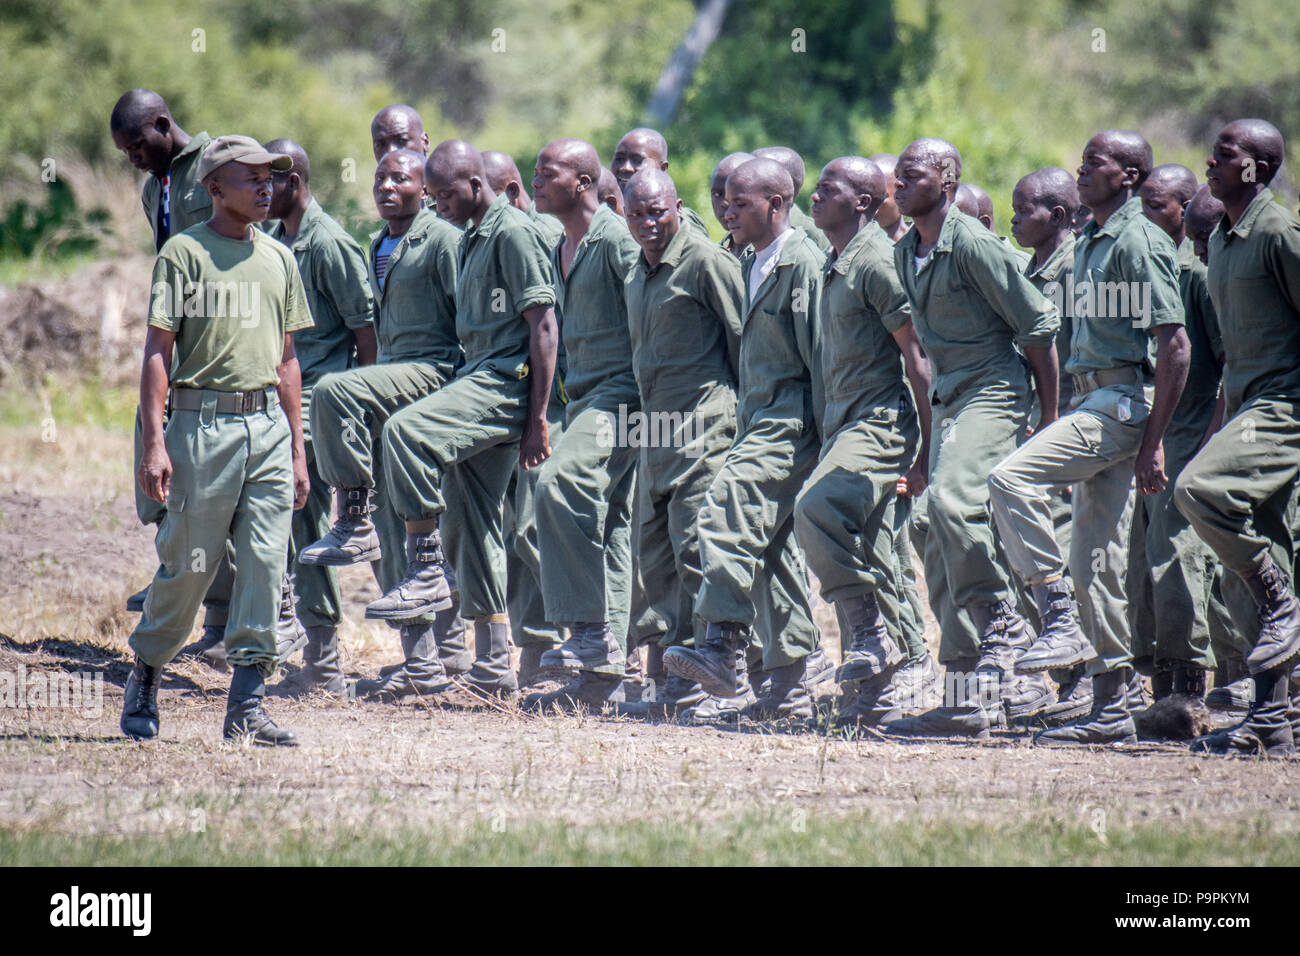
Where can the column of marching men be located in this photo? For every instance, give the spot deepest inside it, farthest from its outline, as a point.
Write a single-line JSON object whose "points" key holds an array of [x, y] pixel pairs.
{"points": [[574, 426]]}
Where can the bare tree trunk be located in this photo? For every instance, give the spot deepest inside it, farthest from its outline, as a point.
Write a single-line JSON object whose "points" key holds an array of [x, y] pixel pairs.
{"points": [[677, 73]]}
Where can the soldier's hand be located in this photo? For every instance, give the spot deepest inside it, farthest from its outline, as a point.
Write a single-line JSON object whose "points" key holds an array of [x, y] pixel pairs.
{"points": [[155, 475], [536, 445], [915, 481], [1149, 469], [301, 483]]}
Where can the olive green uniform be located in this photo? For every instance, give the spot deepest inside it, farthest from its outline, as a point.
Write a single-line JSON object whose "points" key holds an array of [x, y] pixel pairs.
{"points": [[232, 472], [803, 222], [972, 306], [415, 328], [1171, 570], [844, 516], [585, 489], [1093, 448], [468, 431], [334, 276], [1239, 490], [752, 572], [684, 318]]}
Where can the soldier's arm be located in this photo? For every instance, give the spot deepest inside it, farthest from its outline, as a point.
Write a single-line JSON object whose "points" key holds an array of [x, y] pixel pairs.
{"points": [[1045, 366], [1158, 270], [723, 290], [155, 466], [543, 344], [290, 392], [916, 366]]}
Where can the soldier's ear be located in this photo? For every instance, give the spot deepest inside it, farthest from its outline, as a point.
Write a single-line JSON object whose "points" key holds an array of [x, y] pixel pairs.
{"points": [[512, 191], [1131, 176], [163, 125]]}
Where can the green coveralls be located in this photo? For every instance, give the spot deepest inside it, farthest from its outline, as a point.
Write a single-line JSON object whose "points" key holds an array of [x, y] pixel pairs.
{"points": [[333, 271], [844, 516], [418, 352], [467, 433], [232, 473], [1093, 447], [803, 222], [1171, 570], [752, 571], [1239, 491], [972, 306], [585, 490], [684, 318]]}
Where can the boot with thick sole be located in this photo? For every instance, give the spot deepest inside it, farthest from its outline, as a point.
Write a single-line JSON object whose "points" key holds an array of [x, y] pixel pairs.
{"points": [[421, 673], [1073, 700], [1109, 722], [787, 697], [871, 650], [140, 701], [586, 692], [673, 698], [1061, 643], [712, 666], [1026, 695], [868, 703], [353, 538], [969, 708], [719, 710], [591, 647], [491, 677], [135, 603], [1267, 728], [530, 664], [290, 635], [1279, 619], [245, 718], [1233, 690], [320, 671], [424, 587], [818, 668]]}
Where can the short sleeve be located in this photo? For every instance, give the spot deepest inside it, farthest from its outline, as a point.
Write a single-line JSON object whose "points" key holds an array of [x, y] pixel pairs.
{"points": [[344, 275], [297, 314], [168, 290], [525, 268]]}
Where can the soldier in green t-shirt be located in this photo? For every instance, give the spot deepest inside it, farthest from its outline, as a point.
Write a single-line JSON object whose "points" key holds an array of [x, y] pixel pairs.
{"points": [[472, 431], [1239, 491], [230, 463]]}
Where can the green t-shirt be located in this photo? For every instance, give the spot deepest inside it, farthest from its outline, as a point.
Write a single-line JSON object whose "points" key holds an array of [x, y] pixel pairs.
{"points": [[333, 271], [1255, 284], [230, 303], [1125, 285], [862, 306], [505, 269], [592, 309], [972, 306]]}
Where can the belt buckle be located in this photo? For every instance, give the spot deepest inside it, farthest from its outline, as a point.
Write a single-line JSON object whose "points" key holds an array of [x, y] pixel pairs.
{"points": [[247, 402]]}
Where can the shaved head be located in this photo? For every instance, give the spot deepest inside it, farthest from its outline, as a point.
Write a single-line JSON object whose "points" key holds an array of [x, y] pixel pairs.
{"points": [[861, 175], [729, 164], [1261, 140], [1051, 186], [136, 108], [500, 169], [649, 184], [967, 200], [939, 153], [788, 158], [639, 149], [1203, 212], [1177, 180], [398, 126], [651, 141], [295, 152], [577, 154], [886, 162], [1128, 149], [766, 177], [456, 159], [983, 203], [607, 191], [408, 158]]}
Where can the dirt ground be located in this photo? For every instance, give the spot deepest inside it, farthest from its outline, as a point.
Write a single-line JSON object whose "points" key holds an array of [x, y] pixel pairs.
{"points": [[73, 552]]}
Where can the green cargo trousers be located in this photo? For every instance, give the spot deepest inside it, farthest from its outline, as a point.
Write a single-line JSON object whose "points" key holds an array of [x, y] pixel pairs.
{"points": [[1092, 448], [584, 516], [216, 602], [466, 433], [671, 487], [963, 566], [752, 571], [900, 602], [524, 604], [232, 478]]}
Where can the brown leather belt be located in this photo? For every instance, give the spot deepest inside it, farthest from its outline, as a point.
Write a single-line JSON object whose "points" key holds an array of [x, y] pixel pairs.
{"points": [[1124, 375], [228, 403]]}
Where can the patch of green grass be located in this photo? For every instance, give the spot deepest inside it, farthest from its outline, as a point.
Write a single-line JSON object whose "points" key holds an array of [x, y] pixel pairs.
{"points": [[768, 839], [55, 402], [40, 268]]}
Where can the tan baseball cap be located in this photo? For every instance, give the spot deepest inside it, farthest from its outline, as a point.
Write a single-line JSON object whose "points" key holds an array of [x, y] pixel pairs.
{"points": [[239, 149]]}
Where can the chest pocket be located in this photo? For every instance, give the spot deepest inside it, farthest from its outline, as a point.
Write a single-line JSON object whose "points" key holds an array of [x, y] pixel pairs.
{"points": [[676, 329]]}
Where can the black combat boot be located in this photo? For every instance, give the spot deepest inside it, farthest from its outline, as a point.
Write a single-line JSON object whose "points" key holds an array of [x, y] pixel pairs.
{"points": [[245, 718], [1061, 643], [1111, 719], [712, 666], [1279, 618], [320, 669], [1267, 728], [421, 671], [871, 650], [140, 701], [424, 588]]}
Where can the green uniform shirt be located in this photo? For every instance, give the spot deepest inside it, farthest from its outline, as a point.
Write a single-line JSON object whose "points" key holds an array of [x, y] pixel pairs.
{"points": [[1255, 284], [779, 344], [591, 304], [190, 203], [505, 268], [693, 220], [552, 229], [333, 271], [1053, 279], [1196, 406], [802, 221], [971, 306], [862, 305], [230, 303], [684, 319], [1125, 284], [416, 321]]}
